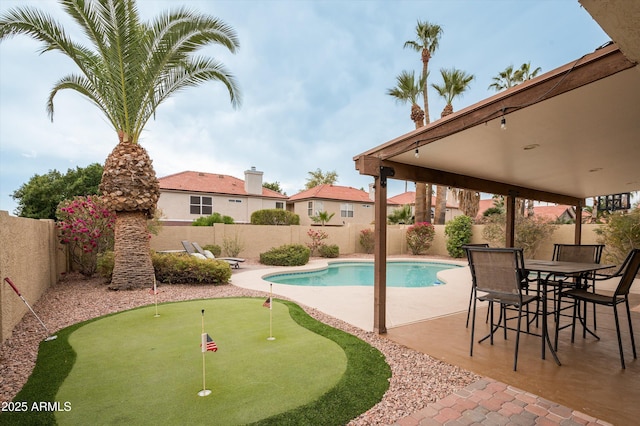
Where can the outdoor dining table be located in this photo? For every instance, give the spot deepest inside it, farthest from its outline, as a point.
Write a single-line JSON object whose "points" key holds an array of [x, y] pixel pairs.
{"points": [[554, 268]]}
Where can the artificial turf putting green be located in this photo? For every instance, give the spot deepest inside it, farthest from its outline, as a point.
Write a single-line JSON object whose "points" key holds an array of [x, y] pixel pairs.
{"points": [[132, 368]]}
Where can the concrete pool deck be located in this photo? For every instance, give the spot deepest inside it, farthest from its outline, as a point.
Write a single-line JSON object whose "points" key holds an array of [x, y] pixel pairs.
{"points": [[354, 304]]}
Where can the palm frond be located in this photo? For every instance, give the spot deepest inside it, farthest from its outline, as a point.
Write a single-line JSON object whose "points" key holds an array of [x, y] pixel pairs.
{"points": [[81, 85]]}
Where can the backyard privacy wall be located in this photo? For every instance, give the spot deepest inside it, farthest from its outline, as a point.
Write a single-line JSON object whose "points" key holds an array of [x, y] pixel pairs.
{"points": [[257, 239], [31, 256]]}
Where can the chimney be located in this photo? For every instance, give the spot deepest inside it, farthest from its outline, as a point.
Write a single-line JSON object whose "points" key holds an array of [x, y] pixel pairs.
{"points": [[372, 192], [253, 181]]}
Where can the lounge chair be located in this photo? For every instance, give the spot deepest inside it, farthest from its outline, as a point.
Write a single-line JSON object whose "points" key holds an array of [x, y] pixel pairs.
{"points": [[189, 247]]}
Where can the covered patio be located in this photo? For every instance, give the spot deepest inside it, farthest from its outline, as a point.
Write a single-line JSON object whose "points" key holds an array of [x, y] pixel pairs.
{"points": [[570, 134], [590, 379]]}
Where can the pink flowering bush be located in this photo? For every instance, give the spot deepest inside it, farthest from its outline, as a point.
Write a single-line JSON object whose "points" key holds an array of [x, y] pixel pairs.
{"points": [[86, 226], [420, 236], [367, 240], [316, 239]]}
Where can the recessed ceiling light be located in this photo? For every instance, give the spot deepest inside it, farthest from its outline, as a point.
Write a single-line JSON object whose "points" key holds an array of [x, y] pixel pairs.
{"points": [[595, 169], [531, 146]]}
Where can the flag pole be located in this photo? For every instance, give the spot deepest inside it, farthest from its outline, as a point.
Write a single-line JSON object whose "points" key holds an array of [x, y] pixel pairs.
{"points": [[271, 313], [203, 339], [155, 295]]}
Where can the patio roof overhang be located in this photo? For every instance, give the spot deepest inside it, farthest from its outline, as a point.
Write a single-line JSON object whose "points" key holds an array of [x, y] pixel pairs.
{"points": [[572, 133]]}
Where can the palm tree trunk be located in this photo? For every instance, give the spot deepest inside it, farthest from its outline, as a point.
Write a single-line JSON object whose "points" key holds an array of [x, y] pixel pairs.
{"points": [[441, 205], [133, 267], [421, 194]]}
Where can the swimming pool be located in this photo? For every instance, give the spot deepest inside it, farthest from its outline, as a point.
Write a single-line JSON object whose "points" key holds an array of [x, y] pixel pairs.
{"points": [[399, 274]]}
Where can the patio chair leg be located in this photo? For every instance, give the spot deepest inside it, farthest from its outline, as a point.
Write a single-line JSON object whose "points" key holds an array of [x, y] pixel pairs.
{"points": [[633, 340], [573, 323], [471, 299], [503, 315], [615, 314], [473, 327], [515, 359]]}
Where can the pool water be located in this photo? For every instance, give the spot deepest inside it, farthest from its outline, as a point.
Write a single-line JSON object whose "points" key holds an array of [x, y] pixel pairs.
{"points": [[399, 274]]}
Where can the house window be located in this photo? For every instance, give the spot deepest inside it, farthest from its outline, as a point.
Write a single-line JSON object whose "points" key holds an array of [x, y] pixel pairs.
{"points": [[235, 201], [346, 210], [200, 205], [279, 205], [319, 207]]}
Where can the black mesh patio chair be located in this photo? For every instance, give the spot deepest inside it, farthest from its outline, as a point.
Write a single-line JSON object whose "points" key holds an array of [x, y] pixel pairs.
{"points": [[471, 296], [627, 272], [580, 253], [499, 277]]}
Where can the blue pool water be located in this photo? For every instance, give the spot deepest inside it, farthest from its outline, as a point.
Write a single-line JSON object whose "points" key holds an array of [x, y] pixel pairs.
{"points": [[399, 274]]}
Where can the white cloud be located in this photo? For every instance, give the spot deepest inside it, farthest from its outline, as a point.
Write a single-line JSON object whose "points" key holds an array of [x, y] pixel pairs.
{"points": [[313, 77]]}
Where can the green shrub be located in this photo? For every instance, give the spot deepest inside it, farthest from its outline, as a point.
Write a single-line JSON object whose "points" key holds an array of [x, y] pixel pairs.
{"points": [[620, 234], [105, 263], [458, 232], [367, 240], [420, 236], [177, 268], [232, 246], [215, 249], [329, 251], [530, 231], [211, 219], [286, 255], [274, 217]]}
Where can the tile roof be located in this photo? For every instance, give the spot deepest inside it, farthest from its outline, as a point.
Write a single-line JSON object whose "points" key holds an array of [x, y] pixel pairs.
{"points": [[551, 212], [212, 183], [333, 192], [409, 197]]}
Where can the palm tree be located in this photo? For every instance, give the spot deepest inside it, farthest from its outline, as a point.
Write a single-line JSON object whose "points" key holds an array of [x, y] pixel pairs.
{"points": [[129, 70], [402, 215], [322, 217], [455, 82], [506, 79], [407, 90], [426, 43], [509, 78], [525, 72]]}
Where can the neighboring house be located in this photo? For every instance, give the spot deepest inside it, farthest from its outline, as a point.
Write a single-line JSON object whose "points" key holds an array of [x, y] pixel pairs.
{"points": [[554, 212], [409, 197], [348, 204], [189, 195]]}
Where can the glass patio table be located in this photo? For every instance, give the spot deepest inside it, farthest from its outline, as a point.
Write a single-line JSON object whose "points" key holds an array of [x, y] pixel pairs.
{"points": [[553, 268]]}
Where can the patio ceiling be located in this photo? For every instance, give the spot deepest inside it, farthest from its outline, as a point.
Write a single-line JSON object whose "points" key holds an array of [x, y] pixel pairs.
{"points": [[572, 133]]}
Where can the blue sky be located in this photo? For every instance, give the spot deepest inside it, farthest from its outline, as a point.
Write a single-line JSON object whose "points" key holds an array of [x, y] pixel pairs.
{"points": [[313, 77]]}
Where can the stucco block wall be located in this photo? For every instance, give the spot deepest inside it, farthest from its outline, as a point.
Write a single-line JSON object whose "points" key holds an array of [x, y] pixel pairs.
{"points": [[31, 256], [257, 239]]}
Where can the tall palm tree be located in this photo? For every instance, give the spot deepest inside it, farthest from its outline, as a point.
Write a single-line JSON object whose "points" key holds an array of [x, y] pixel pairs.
{"points": [[407, 90], [130, 68], [426, 43], [454, 83]]}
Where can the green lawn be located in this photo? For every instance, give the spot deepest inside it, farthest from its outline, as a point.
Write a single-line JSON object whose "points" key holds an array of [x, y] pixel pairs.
{"points": [[133, 368]]}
